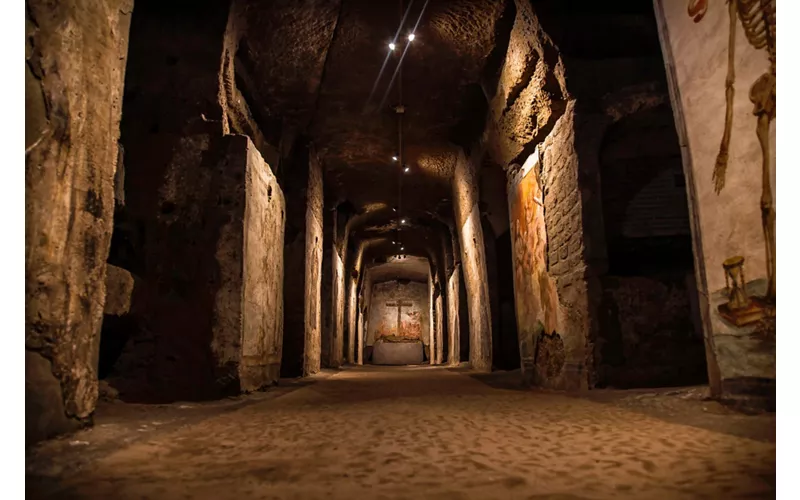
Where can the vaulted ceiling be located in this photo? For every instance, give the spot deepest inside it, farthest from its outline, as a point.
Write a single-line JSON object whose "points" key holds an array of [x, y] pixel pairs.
{"points": [[323, 69]]}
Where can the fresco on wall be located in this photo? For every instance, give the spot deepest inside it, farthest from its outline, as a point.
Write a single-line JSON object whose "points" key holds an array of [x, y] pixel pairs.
{"points": [[721, 58], [407, 328], [396, 313], [757, 20], [534, 290]]}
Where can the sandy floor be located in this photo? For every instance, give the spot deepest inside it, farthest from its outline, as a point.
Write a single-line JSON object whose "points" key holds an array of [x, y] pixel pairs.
{"points": [[413, 433]]}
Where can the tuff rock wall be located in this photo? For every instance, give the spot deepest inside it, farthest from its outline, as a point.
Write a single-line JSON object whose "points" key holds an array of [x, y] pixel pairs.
{"points": [[75, 58]]}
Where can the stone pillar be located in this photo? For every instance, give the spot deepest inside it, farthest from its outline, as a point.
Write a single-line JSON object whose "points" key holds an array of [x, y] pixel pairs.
{"points": [[339, 255], [360, 340], [352, 316], [327, 287], [296, 182], [248, 328], [439, 321], [353, 279], [473, 258], [303, 259], [432, 316], [313, 281], [76, 54], [365, 308], [453, 326], [189, 191]]}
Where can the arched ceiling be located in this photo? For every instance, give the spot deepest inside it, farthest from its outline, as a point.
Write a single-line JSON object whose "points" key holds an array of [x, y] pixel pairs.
{"points": [[316, 63], [408, 267], [388, 236]]}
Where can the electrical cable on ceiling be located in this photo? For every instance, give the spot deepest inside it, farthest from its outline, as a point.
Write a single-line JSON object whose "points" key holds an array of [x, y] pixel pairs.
{"points": [[392, 46], [399, 108]]}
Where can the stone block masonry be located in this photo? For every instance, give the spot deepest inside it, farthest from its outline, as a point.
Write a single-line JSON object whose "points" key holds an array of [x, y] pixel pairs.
{"points": [[550, 273]]}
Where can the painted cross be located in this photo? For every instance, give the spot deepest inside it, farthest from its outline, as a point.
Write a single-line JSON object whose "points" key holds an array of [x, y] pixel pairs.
{"points": [[399, 304]]}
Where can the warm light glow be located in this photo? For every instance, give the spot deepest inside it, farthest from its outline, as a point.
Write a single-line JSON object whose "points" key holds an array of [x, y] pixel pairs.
{"points": [[402, 248], [407, 170], [394, 158], [411, 37], [392, 46], [402, 221]]}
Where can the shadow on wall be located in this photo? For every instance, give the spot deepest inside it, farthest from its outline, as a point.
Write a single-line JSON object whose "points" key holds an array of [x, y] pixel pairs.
{"points": [[509, 356], [650, 331]]}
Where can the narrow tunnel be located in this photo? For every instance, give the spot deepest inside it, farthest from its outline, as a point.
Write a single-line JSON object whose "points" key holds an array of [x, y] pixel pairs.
{"points": [[412, 223]]}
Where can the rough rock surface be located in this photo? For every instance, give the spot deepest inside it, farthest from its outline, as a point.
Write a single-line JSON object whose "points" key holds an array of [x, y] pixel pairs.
{"points": [[339, 254], [453, 318], [313, 271], [119, 291], [200, 340], [473, 258], [260, 278], [531, 92], [75, 57], [649, 338]]}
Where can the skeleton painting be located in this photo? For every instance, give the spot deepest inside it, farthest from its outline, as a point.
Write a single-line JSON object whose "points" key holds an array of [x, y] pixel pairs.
{"points": [[758, 20]]}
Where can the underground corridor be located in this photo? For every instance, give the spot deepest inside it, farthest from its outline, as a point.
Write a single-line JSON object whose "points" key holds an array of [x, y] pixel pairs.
{"points": [[400, 249]]}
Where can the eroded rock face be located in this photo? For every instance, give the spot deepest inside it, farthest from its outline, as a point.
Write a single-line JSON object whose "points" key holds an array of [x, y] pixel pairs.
{"points": [[339, 288], [217, 329], [119, 291], [550, 276], [313, 269], [473, 258], [44, 401], [453, 317], [75, 64], [262, 273], [531, 92], [562, 86]]}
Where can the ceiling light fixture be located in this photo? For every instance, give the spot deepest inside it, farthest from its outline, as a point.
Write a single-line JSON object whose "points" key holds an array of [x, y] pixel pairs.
{"points": [[407, 170], [394, 158], [402, 221], [411, 37], [392, 46]]}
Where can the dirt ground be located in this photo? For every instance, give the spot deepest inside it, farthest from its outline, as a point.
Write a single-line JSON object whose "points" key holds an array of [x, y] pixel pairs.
{"points": [[415, 432]]}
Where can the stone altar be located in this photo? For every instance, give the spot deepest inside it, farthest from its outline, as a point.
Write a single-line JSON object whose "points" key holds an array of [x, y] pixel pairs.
{"points": [[397, 353]]}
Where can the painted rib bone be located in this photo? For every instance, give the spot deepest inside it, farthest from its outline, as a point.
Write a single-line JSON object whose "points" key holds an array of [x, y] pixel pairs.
{"points": [[758, 20]]}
